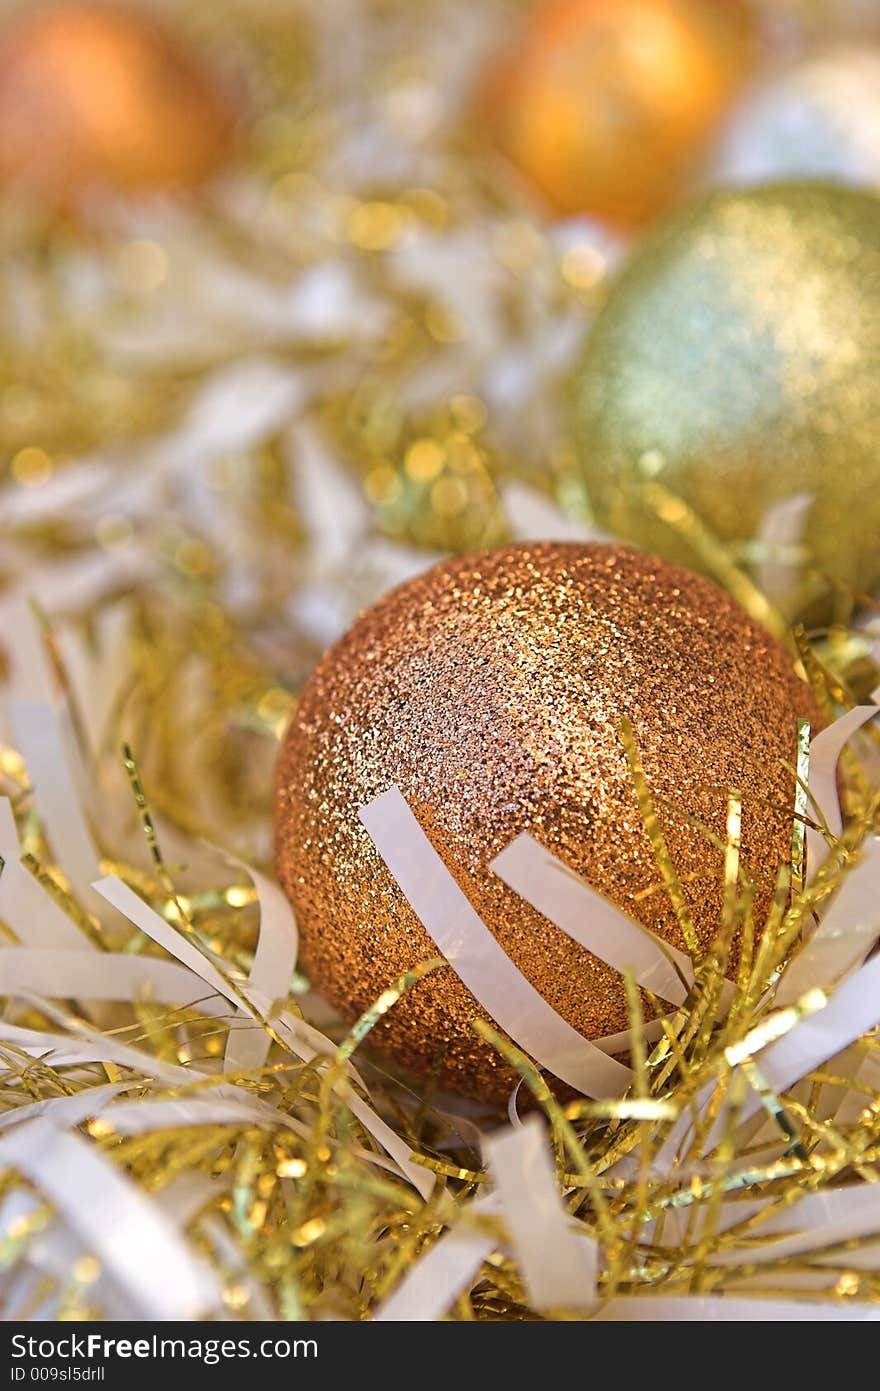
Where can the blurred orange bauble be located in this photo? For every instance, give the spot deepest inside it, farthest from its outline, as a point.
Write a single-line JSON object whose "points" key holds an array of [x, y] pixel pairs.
{"points": [[604, 105], [101, 96]]}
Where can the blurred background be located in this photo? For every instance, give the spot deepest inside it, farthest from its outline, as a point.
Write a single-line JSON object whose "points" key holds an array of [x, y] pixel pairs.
{"points": [[291, 295]]}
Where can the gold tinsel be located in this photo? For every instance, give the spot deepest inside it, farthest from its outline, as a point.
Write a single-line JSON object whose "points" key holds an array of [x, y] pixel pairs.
{"points": [[296, 1207]]}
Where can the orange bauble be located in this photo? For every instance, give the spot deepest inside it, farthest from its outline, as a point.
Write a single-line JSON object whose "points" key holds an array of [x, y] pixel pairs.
{"points": [[98, 96], [605, 104]]}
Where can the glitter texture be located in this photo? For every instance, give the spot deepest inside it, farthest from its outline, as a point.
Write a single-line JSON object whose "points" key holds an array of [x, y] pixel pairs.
{"points": [[491, 690], [738, 362]]}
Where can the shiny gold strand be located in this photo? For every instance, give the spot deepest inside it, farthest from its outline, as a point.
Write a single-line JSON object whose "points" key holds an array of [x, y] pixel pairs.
{"points": [[492, 691]]}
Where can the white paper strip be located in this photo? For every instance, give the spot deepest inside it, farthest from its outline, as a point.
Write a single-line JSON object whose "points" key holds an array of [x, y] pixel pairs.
{"points": [[69, 975], [867, 1074], [799, 1284], [438, 1277], [143, 1117], [144, 917], [65, 1111], [31, 677], [277, 915], [825, 751], [853, 1010], [584, 915], [187, 1194], [60, 1050], [483, 966], [815, 1221], [558, 1265], [531, 516], [68, 586], [16, 1207], [849, 928], [720, 1309], [599, 936], [35, 917], [290, 1029], [231, 1260], [40, 741], [652, 1031], [271, 971], [25, 1298], [131, 1235], [45, 738], [780, 534], [235, 408], [175, 943], [865, 1258], [54, 1251]]}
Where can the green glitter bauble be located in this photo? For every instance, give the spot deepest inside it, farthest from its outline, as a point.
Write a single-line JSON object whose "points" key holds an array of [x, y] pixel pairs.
{"points": [[737, 364]]}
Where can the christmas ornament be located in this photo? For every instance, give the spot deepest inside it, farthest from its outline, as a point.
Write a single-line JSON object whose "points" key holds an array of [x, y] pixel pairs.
{"points": [[737, 363], [95, 95], [604, 107], [821, 119], [491, 691]]}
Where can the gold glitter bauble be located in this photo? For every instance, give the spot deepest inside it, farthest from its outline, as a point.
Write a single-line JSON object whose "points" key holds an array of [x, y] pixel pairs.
{"points": [[604, 106], [490, 690], [96, 95], [737, 362]]}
